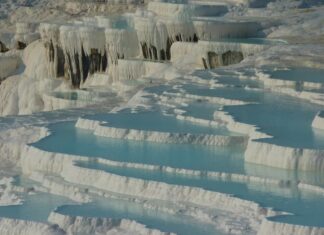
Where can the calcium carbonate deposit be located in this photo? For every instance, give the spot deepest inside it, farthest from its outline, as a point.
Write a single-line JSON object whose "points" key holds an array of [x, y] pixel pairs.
{"points": [[189, 117]]}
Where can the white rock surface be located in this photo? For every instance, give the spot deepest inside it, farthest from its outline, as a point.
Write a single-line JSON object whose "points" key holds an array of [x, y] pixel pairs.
{"points": [[21, 227], [160, 137], [9, 64], [83, 226], [277, 228], [318, 121]]}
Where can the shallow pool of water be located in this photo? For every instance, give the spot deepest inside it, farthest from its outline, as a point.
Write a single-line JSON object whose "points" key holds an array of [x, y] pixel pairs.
{"points": [[287, 119], [155, 121], [229, 77], [236, 93], [84, 143], [66, 95], [203, 110], [36, 207], [298, 74], [119, 209], [259, 41], [308, 208]]}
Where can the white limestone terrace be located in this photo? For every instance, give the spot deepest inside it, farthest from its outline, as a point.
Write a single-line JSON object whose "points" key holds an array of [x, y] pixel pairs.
{"points": [[306, 157], [304, 77], [304, 82], [159, 136], [234, 201], [30, 167], [155, 125], [31, 153]]}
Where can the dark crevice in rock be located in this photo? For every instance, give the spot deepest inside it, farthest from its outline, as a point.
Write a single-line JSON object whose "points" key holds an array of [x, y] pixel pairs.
{"points": [[51, 52], [151, 52], [3, 47], [227, 58], [162, 55], [78, 68], [120, 56], [104, 62], [20, 45], [95, 61], [60, 62], [74, 76], [232, 57], [154, 52], [195, 38], [85, 64], [299, 86], [204, 63], [168, 49], [67, 67], [144, 50], [56, 58], [178, 38], [214, 60]]}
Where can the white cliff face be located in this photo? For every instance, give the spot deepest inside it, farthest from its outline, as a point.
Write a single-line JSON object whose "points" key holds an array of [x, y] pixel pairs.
{"points": [[156, 34], [77, 50], [213, 30], [135, 69], [284, 157], [115, 42], [206, 54], [32, 91], [23, 94]]}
